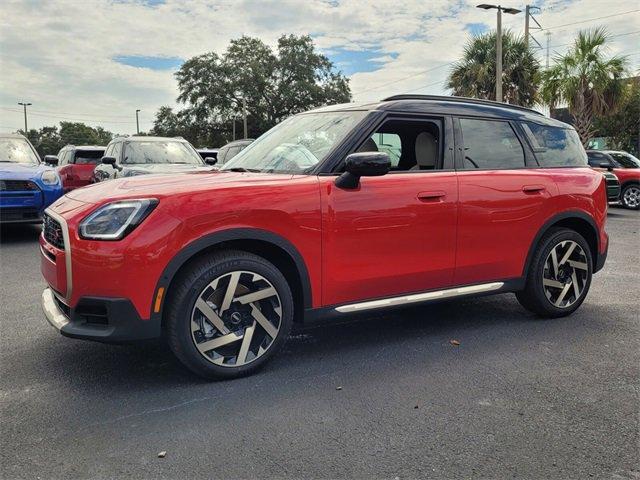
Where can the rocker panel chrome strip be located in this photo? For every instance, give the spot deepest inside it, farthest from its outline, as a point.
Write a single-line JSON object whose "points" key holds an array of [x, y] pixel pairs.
{"points": [[420, 297], [67, 250]]}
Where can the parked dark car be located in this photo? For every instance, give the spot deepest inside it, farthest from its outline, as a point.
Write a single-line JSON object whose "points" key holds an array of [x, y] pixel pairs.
{"points": [[131, 156], [626, 167], [75, 165], [27, 185], [231, 149], [208, 153], [313, 221]]}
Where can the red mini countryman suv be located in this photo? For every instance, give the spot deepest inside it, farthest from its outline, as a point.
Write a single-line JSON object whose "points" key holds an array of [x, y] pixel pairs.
{"points": [[348, 208]]}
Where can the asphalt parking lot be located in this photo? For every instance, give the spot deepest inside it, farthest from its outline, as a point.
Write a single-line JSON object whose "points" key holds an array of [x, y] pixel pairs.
{"points": [[387, 397]]}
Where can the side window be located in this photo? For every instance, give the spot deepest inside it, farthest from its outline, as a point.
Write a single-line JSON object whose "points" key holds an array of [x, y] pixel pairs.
{"points": [[109, 150], [233, 151], [222, 154], [555, 146], [490, 145], [61, 156], [412, 145], [391, 144], [117, 150], [595, 159]]}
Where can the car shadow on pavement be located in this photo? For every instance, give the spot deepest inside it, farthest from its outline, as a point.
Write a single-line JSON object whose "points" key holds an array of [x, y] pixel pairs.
{"points": [[479, 323], [19, 233]]}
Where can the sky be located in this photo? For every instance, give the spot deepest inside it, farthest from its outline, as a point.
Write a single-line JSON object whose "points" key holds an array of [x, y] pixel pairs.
{"points": [[97, 61]]}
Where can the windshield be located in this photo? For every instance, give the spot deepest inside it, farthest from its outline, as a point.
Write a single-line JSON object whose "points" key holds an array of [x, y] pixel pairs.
{"points": [[154, 152], [296, 145], [625, 160], [88, 157], [17, 150]]}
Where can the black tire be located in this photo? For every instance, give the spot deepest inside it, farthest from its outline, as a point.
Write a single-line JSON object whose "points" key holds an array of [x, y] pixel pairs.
{"points": [[629, 197], [533, 297], [186, 290]]}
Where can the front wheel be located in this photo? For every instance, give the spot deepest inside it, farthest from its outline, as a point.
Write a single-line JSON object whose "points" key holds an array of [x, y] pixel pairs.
{"points": [[559, 275], [230, 312], [630, 197]]}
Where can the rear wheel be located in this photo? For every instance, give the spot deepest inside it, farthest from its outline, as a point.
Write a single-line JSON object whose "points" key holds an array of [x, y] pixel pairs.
{"points": [[630, 197], [229, 314], [559, 276]]}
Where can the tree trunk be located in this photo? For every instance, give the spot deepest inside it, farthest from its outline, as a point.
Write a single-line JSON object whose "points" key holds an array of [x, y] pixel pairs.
{"points": [[583, 123]]}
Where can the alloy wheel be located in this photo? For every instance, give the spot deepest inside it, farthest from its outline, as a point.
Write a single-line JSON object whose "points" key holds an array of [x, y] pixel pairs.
{"points": [[236, 318], [631, 197], [565, 275]]}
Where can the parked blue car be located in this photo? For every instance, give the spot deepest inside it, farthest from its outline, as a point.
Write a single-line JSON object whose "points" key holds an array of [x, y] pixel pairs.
{"points": [[27, 186]]}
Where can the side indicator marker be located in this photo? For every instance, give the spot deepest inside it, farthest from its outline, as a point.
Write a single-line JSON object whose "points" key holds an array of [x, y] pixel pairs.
{"points": [[156, 307]]}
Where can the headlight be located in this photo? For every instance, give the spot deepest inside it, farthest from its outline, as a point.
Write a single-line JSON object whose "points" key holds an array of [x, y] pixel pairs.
{"points": [[49, 177], [114, 221]]}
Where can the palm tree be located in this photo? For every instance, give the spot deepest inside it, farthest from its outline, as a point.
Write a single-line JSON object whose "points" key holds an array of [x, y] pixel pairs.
{"points": [[475, 75], [587, 80]]}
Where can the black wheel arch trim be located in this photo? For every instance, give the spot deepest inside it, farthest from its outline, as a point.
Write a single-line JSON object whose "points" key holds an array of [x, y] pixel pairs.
{"points": [[597, 264], [213, 239]]}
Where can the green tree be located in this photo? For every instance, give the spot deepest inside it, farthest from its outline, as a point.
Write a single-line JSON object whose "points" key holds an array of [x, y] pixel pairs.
{"points": [[49, 140], [475, 75], [274, 84], [587, 80], [622, 128], [76, 133]]}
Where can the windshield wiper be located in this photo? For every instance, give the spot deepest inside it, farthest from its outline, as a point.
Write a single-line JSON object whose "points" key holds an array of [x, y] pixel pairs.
{"points": [[241, 169]]}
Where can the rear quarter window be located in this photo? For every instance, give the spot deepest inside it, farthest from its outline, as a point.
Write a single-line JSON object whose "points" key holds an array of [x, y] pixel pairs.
{"points": [[555, 146]]}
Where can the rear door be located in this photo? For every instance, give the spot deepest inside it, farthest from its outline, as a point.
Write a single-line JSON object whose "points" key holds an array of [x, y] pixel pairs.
{"points": [[504, 200]]}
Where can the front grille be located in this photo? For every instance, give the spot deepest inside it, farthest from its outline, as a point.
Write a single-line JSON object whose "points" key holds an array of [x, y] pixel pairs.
{"points": [[17, 186], [52, 232], [11, 214]]}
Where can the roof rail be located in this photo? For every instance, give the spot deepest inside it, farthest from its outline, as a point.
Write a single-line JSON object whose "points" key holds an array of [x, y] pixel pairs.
{"points": [[478, 101]]}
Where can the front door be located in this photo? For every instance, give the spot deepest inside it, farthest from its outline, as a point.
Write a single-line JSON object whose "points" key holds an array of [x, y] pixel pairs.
{"points": [[394, 234]]}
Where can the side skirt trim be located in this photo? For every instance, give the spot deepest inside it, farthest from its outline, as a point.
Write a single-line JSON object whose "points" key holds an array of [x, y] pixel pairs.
{"points": [[420, 297]]}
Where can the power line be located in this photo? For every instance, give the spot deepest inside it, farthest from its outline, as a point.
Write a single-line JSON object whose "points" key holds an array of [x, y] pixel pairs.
{"points": [[54, 116], [404, 78], [592, 19]]}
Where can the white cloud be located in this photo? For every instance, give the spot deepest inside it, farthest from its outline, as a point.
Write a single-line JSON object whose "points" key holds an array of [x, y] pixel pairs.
{"points": [[59, 54]]}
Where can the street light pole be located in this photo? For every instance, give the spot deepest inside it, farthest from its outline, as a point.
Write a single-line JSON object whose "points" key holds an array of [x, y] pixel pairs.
{"points": [[499, 57], [512, 11], [244, 114], [25, 105], [137, 122]]}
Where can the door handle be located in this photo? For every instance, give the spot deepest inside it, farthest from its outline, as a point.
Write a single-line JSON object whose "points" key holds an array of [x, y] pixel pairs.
{"points": [[431, 196], [533, 188]]}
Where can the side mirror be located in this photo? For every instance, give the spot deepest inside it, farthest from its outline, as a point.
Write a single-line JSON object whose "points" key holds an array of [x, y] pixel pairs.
{"points": [[363, 164], [210, 160], [51, 160], [606, 165], [111, 161]]}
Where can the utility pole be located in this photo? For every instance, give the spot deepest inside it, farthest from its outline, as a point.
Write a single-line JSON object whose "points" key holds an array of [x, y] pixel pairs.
{"points": [[137, 122], [548, 34], [234, 128], [512, 11], [244, 114], [527, 26], [25, 105]]}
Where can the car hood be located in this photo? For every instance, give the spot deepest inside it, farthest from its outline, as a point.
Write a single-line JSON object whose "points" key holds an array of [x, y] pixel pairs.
{"points": [[21, 171], [160, 186], [145, 168]]}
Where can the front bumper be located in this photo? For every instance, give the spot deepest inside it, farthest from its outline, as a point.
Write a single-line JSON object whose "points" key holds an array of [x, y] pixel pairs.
{"points": [[107, 320]]}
